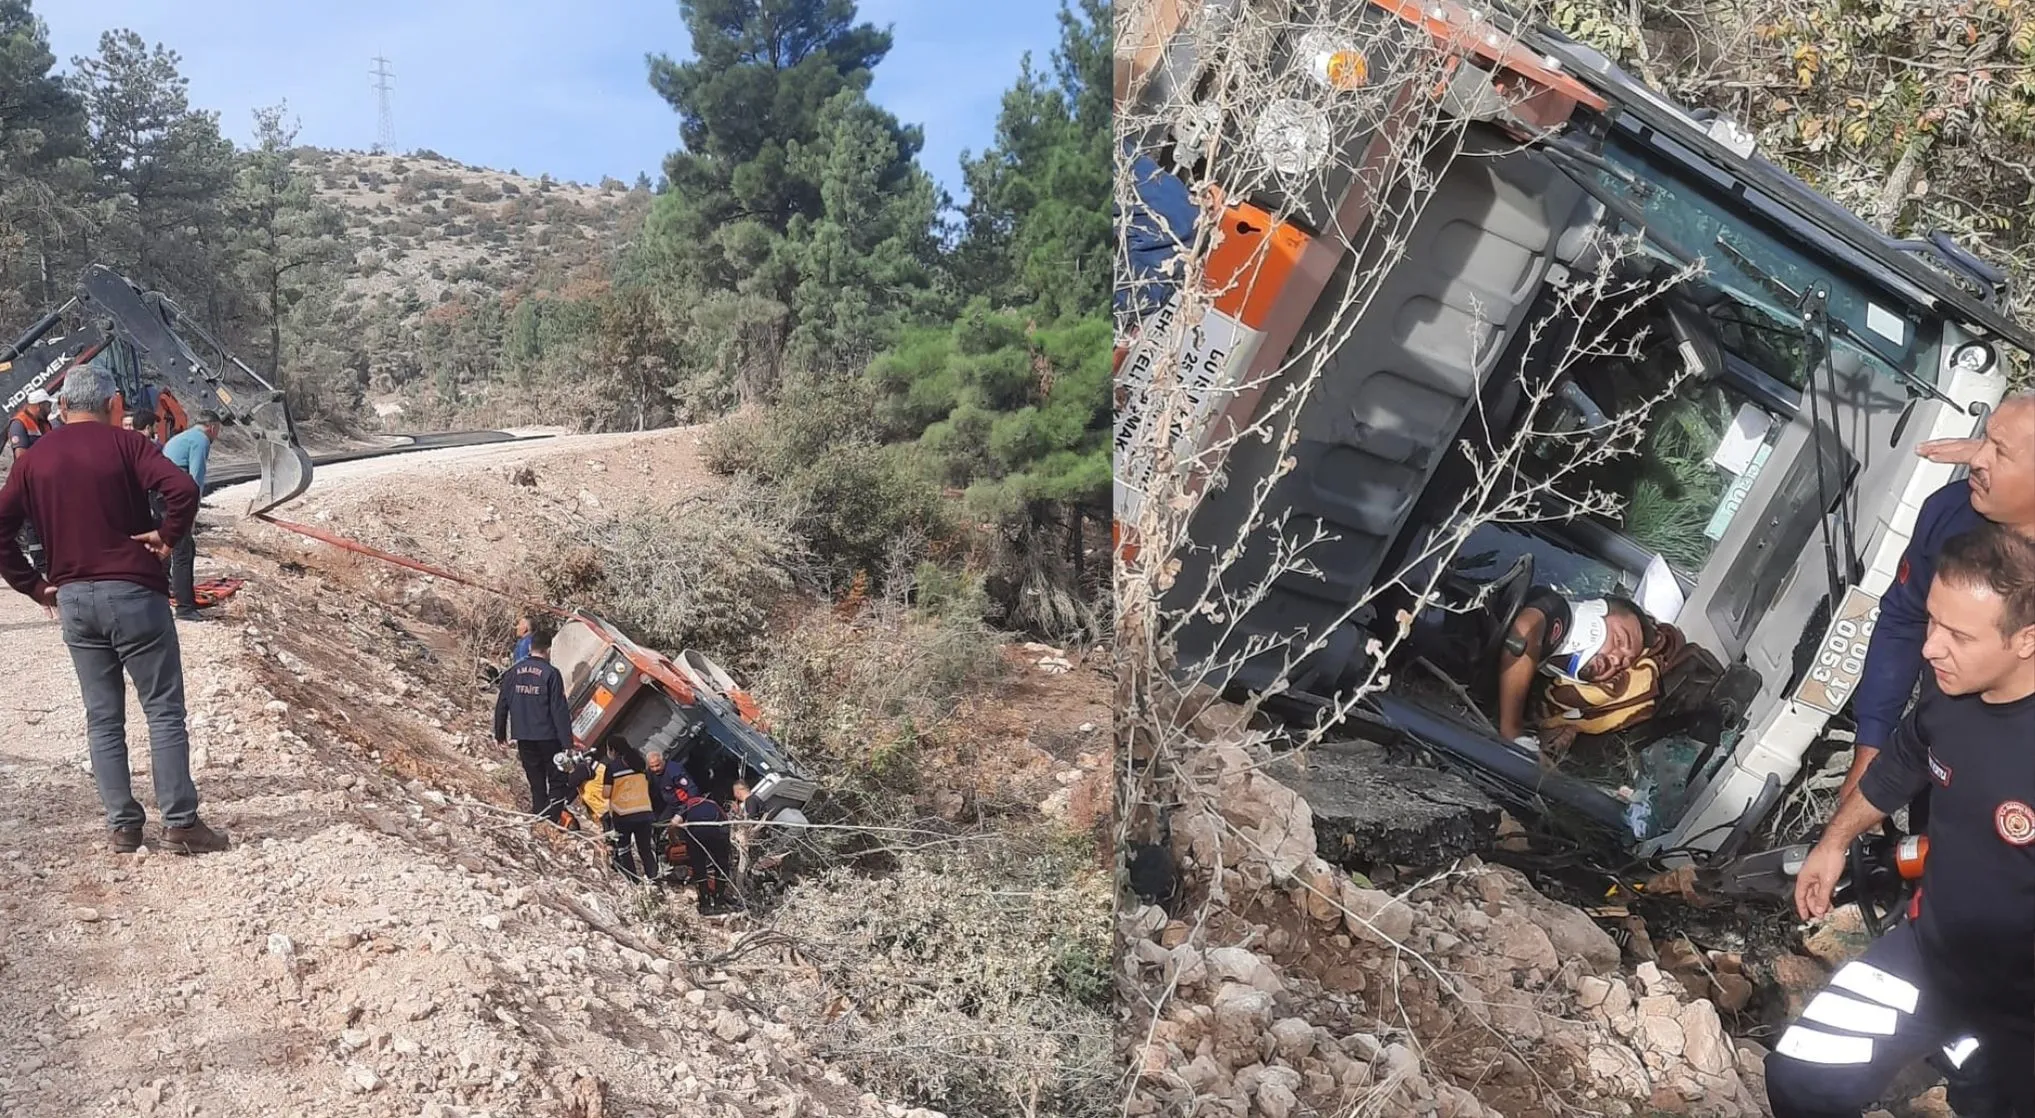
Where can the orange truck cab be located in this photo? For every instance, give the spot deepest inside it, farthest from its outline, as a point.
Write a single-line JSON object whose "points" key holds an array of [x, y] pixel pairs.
{"points": [[689, 710]]}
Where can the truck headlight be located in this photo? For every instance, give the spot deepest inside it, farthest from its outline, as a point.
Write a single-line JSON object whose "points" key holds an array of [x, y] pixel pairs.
{"points": [[1292, 136], [1332, 62], [1973, 357]]}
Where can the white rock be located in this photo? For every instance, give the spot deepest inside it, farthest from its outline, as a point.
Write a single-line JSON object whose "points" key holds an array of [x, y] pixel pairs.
{"points": [[1186, 966], [729, 1026], [1375, 915], [1619, 1072], [1292, 1039], [1276, 1100], [1704, 1044]]}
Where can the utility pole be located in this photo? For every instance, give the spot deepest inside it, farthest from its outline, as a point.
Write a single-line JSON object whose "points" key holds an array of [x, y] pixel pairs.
{"points": [[385, 137]]}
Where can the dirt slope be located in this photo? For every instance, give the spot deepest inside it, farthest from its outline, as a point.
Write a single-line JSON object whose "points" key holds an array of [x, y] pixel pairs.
{"points": [[386, 937], [1274, 984]]}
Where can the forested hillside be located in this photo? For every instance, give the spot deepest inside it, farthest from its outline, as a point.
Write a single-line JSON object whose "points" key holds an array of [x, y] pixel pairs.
{"points": [[1916, 114], [890, 344]]}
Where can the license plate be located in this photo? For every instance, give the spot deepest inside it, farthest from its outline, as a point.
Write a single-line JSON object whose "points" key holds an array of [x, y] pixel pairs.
{"points": [[588, 715], [1734, 497], [1841, 656]]}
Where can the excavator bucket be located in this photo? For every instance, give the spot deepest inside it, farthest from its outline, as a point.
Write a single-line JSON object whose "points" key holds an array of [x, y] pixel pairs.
{"points": [[285, 468], [285, 474]]}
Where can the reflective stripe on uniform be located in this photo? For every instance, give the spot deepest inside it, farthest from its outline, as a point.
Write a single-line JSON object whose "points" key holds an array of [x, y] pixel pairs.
{"points": [[1851, 1015], [1813, 1046], [1957, 1053], [1874, 983]]}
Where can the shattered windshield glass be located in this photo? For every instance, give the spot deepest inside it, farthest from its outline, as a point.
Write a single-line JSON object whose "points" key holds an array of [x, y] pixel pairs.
{"points": [[1743, 258]]}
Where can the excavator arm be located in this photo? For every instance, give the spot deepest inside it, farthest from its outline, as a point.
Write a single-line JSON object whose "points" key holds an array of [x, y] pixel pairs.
{"points": [[141, 337]]}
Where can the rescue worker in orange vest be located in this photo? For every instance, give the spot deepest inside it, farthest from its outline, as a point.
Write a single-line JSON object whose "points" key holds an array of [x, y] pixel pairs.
{"points": [[30, 423], [632, 809]]}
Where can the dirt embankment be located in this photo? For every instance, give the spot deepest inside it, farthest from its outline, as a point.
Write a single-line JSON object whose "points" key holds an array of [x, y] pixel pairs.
{"points": [[1277, 985], [1273, 983], [387, 936]]}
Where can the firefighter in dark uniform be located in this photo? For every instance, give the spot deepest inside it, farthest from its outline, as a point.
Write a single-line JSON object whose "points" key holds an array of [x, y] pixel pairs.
{"points": [[531, 711], [1960, 978], [703, 829]]}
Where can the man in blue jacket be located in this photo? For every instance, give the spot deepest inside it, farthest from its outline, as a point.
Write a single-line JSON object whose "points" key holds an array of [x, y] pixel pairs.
{"points": [[2000, 488], [531, 711], [1959, 975], [188, 451], [522, 651]]}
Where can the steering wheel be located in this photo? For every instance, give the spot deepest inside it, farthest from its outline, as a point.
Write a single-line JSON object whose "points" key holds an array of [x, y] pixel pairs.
{"points": [[1514, 585]]}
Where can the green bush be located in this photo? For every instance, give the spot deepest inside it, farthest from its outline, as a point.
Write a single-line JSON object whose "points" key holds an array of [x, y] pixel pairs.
{"points": [[735, 444], [978, 983], [857, 499], [712, 574], [859, 699]]}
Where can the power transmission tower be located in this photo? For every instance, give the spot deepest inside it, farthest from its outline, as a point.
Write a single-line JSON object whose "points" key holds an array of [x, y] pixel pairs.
{"points": [[385, 137]]}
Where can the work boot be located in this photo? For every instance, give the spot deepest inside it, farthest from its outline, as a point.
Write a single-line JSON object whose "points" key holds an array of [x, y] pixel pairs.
{"points": [[187, 613], [194, 839], [126, 840], [716, 899]]}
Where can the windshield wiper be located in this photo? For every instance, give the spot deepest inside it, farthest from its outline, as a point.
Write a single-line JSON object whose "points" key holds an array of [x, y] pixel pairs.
{"points": [[1815, 327], [1790, 297], [1817, 354]]}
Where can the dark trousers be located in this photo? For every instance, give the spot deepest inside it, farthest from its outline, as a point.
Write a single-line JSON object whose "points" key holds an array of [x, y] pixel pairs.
{"points": [[704, 831], [1879, 1014], [31, 546], [632, 837], [548, 789], [182, 558]]}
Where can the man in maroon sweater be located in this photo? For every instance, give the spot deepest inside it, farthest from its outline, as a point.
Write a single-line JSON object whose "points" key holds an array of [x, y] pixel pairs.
{"points": [[86, 491]]}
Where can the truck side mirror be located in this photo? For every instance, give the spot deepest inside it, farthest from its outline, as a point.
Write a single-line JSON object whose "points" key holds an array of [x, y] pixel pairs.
{"points": [[1695, 339]]}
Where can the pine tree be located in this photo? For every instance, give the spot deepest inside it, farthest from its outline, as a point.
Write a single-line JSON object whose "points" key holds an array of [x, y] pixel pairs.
{"points": [[287, 235], [42, 136], [865, 265], [1037, 220], [162, 173], [795, 215]]}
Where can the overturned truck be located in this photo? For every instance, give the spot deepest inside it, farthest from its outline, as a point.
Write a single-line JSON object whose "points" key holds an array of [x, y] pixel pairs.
{"points": [[689, 711], [1406, 200]]}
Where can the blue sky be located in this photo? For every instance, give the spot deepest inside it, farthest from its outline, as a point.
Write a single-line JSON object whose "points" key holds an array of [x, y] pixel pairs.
{"points": [[533, 85]]}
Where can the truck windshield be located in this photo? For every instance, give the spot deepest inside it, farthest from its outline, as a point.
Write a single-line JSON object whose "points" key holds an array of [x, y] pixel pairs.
{"points": [[1703, 222], [1699, 456]]}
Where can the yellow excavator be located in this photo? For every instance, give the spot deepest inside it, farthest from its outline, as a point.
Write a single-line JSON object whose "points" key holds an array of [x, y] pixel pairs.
{"points": [[139, 338]]}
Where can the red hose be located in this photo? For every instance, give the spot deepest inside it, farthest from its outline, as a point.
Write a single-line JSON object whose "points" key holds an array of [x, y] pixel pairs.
{"points": [[359, 548]]}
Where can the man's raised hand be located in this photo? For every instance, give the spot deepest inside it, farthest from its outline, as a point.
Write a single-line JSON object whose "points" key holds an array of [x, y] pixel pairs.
{"points": [[1950, 452]]}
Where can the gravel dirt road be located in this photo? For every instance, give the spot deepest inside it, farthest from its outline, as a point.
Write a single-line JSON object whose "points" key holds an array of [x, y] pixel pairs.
{"points": [[373, 944]]}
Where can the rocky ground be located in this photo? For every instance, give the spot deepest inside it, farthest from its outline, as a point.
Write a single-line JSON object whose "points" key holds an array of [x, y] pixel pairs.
{"points": [[387, 936], [1274, 983]]}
